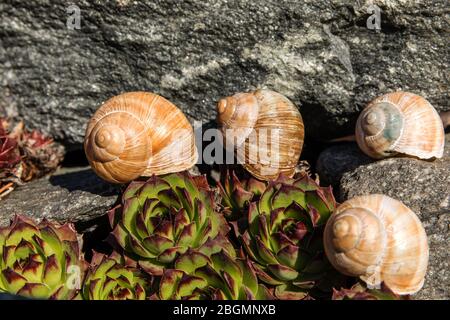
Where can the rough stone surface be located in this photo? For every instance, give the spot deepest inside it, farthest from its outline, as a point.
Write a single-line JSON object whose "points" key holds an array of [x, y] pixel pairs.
{"points": [[319, 53], [338, 159], [72, 196], [437, 281], [424, 186], [334, 161]]}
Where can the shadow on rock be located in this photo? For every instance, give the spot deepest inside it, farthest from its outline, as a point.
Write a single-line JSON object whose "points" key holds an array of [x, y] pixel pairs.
{"points": [[85, 180]]}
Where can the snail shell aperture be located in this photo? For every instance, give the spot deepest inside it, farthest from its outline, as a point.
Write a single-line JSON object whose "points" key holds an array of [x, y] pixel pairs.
{"points": [[377, 238], [400, 122], [139, 134], [266, 130]]}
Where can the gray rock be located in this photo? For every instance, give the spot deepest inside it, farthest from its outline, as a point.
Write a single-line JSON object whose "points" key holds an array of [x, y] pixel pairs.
{"points": [[424, 186], [437, 281], [338, 159], [334, 161], [75, 196], [319, 53]]}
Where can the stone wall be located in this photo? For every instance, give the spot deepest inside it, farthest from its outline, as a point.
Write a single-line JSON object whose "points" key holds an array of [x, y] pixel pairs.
{"points": [[319, 53]]}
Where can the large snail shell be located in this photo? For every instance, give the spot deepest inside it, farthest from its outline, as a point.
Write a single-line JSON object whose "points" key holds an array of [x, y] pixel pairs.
{"points": [[139, 134], [378, 238], [267, 130], [400, 122]]}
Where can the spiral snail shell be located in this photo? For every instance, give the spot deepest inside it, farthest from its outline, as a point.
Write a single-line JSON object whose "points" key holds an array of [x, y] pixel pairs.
{"points": [[400, 122], [266, 131], [139, 134], [378, 238]]}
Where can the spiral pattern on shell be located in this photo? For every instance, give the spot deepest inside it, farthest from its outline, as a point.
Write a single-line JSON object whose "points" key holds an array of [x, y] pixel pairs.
{"points": [[266, 131], [138, 134], [400, 122], [378, 238]]}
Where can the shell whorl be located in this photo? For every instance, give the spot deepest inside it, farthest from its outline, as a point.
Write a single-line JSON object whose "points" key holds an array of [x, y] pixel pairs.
{"points": [[378, 129], [400, 122], [237, 116], [111, 139], [355, 240], [108, 139], [139, 134], [378, 238]]}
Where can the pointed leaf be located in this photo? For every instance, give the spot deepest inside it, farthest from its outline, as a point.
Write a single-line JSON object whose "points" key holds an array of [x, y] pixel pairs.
{"points": [[52, 271], [189, 284], [157, 244], [264, 252], [35, 290], [283, 273], [169, 283], [287, 194], [190, 261]]}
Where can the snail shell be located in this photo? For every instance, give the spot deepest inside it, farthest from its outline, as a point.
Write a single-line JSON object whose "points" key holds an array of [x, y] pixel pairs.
{"points": [[400, 122], [139, 134], [267, 130], [378, 238]]}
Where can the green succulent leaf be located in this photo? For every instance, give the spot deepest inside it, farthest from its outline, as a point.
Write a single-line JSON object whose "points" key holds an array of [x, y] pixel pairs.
{"points": [[39, 260], [286, 195], [169, 284], [189, 284], [217, 275], [237, 194], [191, 261], [112, 278]]}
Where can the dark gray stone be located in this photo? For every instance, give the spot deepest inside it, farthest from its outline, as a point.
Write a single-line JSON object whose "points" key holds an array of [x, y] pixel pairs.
{"points": [[334, 161], [75, 196], [338, 159], [437, 281], [423, 186], [319, 53]]}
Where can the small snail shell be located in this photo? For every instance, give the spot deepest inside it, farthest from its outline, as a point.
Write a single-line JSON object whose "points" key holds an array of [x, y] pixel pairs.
{"points": [[400, 122], [139, 134], [267, 130], [378, 238]]}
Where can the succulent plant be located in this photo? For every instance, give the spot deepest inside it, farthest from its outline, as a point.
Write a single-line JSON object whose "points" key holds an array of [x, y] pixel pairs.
{"points": [[25, 155], [238, 193], [115, 277], [165, 216], [41, 155], [40, 260], [9, 153], [218, 276], [361, 292], [282, 234]]}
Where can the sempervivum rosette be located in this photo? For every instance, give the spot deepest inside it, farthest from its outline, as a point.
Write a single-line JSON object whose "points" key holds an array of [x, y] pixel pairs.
{"points": [[40, 260], [115, 277], [202, 275], [41, 155], [238, 193], [165, 216], [283, 236]]}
